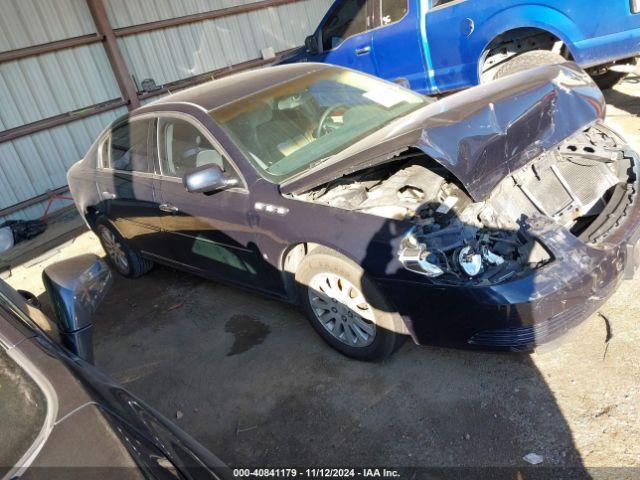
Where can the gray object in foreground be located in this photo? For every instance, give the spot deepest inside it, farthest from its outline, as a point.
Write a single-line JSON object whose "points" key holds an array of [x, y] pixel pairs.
{"points": [[88, 425]]}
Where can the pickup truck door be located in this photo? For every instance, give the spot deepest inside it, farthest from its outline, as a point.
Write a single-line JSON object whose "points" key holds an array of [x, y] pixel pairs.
{"points": [[397, 24], [453, 46], [346, 37]]}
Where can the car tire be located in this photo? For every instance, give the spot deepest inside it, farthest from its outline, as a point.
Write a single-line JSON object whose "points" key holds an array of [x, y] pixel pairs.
{"points": [[126, 261], [526, 61], [610, 78], [331, 285]]}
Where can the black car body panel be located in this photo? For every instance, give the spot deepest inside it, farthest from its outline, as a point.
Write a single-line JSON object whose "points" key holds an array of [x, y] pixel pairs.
{"points": [[482, 136]]}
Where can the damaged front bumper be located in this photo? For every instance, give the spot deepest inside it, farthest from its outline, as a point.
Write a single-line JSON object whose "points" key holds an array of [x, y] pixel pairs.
{"points": [[524, 313]]}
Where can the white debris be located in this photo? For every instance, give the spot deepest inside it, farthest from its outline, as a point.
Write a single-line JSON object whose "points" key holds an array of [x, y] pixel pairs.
{"points": [[533, 458]]}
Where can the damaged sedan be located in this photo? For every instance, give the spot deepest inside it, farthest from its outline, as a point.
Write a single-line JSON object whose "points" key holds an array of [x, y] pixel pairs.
{"points": [[496, 218]]}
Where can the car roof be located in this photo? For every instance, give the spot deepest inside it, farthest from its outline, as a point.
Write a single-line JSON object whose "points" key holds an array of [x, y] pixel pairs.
{"points": [[225, 90]]}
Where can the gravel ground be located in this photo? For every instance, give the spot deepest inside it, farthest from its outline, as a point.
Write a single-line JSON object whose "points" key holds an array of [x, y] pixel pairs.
{"points": [[249, 378]]}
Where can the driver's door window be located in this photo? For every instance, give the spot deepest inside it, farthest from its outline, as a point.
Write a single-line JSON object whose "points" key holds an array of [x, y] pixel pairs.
{"points": [[350, 18], [183, 147]]}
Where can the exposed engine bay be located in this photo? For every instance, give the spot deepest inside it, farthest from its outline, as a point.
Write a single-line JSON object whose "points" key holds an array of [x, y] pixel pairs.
{"points": [[585, 185]]}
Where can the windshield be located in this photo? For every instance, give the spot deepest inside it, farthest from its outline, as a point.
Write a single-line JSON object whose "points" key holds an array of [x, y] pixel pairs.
{"points": [[292, 126]]}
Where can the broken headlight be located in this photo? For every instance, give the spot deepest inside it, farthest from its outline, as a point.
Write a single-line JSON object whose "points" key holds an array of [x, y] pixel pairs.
{"points": [[465, 254]]}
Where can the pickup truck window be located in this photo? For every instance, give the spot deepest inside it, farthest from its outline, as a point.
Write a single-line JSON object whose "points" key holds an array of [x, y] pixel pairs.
{"points": [[392, 10], [437, 3], [349, 19]]}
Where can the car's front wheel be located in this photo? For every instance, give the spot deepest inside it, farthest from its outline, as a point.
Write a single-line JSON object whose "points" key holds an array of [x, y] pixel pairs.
{"points": [[346, 308], [121, 256]]}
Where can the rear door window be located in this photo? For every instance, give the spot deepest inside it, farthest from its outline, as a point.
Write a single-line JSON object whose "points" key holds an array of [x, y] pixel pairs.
{"points": [[129, 147]]}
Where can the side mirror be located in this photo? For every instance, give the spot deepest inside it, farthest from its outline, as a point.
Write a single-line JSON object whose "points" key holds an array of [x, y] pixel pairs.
{"points": [[311, 44], [206, 179], [76, 288]]}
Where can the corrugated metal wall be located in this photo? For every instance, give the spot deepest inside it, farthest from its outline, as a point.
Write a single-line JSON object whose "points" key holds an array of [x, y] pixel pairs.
{"points": [[40, 87], [188, 50]]}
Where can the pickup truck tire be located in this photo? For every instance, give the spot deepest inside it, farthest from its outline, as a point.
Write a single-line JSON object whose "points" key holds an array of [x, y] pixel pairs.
{"points": [[346, 308], [528, 60]]}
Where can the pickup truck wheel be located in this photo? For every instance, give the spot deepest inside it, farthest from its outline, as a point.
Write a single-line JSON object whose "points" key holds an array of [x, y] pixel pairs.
{"points": [[346, 308], [528, 60], [120, 255], [606, 78]]}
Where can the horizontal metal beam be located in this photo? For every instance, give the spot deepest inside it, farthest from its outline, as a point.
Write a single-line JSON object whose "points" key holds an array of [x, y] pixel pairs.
{"points": [[42, 48], [58, 120], [200, 17], [69, 117], [206, 77], [33, 201], [61, 119]]}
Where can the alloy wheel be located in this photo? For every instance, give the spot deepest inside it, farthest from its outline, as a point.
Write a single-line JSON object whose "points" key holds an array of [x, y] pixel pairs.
{"points": [[114, 249]]}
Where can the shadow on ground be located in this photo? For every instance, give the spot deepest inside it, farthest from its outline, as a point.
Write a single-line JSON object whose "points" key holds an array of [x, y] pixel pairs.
{"points": [[255, 384], [623, 101]]}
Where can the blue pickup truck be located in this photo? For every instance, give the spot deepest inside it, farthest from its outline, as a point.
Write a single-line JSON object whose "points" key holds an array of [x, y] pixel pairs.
{"points": [[434, 46]]}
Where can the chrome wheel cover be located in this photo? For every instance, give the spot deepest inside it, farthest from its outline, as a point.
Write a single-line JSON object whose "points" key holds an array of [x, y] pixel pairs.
{"points": [[114, 249], [342, 310]]}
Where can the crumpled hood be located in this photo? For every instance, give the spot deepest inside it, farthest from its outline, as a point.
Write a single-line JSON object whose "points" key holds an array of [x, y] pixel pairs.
{"points": [[482, 134]]}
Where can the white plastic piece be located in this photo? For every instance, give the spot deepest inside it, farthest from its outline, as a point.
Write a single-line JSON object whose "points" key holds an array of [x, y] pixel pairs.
{"points": [[268, 53], [6, 239], [447, 205], [492, 258]]}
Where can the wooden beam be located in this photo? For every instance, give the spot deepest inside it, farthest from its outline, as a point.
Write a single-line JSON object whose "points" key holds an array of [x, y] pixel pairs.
{"points": [[120, 70]]}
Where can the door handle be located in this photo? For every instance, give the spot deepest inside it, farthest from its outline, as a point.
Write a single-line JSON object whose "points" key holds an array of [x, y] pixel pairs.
{"points": [[108, 195], [363, 50], [167, 207]]}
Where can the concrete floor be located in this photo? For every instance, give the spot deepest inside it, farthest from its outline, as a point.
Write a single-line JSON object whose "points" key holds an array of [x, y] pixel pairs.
{"points": [[249, 378]]}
